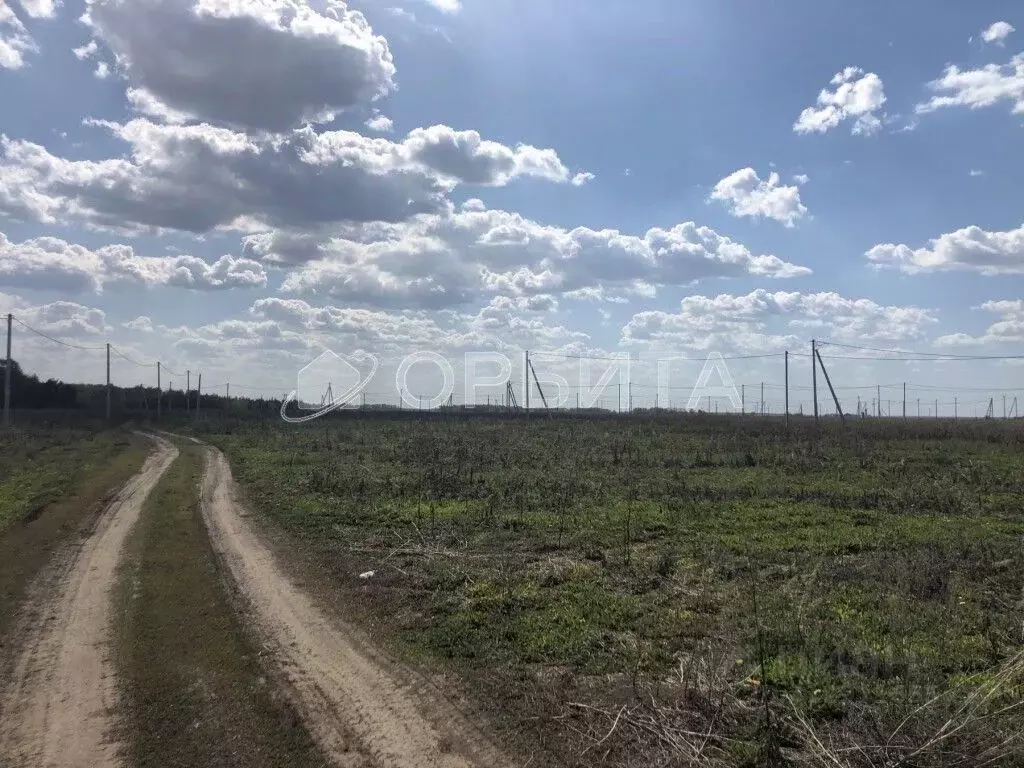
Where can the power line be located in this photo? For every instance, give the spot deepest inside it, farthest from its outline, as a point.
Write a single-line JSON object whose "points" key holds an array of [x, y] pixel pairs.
{"points": [[666, 359], [919, 355], [121, 354], [56, 340]]}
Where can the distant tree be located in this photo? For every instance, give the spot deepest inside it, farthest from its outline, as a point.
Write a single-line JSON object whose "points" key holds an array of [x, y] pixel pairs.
{"points": [[31, 392]]}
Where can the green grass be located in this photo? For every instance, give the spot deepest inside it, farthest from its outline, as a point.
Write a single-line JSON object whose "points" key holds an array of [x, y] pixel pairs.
{"points": [[194, 690], [847, 576], [54, 483]]}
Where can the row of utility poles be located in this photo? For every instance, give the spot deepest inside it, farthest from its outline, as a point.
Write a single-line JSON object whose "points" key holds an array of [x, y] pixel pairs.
{"points": [[159, 388], [529, 371], [109, 387]]}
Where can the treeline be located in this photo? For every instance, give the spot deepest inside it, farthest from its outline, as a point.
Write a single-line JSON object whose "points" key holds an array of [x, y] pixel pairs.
{"points": [[32, 392]]}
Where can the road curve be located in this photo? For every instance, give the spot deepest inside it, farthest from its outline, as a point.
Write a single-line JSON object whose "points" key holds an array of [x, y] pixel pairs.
{"points": [[361, 710]]}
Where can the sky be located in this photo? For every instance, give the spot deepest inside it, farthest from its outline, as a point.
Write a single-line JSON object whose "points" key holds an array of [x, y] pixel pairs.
{"points": [[237, 186]]}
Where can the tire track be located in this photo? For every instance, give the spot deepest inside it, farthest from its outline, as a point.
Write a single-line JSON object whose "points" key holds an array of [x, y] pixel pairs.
{"points": [[58, 708], [361, 711]]}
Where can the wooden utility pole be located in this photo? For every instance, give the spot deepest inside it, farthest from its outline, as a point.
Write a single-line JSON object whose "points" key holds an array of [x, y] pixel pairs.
{"points": [[787, 387], [904, 399], [188, 386], [7, 374], [814, 376], [526, 380], [158, 390], [199, 395], [831, 389], [108, 381]]}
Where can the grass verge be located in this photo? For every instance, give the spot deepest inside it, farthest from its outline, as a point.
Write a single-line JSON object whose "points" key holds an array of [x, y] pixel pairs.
{"points": [[193, 687], [54, 483]]}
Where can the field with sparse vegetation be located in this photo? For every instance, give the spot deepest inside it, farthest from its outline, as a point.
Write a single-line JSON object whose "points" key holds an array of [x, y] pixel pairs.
{"points": [[670, 590]]}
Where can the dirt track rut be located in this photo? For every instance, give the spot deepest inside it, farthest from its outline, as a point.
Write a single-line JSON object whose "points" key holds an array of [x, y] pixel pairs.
{"points": [[57, 709], [363, 711]]}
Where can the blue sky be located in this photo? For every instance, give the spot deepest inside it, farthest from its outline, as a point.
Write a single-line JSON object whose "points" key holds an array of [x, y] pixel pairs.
{"points": [[804, 168]]}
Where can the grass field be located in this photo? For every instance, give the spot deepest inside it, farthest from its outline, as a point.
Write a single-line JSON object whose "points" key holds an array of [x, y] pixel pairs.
{"points": [[54, 482], [194, 690], [666, 591]]}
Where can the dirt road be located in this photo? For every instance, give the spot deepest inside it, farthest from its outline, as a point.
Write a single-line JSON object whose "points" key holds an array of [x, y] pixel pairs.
{"points": [[362, 710], [56, 711]]}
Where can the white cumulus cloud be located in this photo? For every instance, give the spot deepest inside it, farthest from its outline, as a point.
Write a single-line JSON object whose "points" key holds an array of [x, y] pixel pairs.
{"points": [[461, 257], [978, 88], [759, 320], [1009, 328], [380, 123], [746, 194], [15, 41], [253, 64], [446, 6], [997, 33], [971, 249], [857, 96], [49, 263], [199, 177]]}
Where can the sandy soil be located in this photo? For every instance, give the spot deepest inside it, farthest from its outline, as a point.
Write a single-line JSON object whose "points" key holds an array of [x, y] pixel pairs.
{"points": [[58, 709], [363, 710]]}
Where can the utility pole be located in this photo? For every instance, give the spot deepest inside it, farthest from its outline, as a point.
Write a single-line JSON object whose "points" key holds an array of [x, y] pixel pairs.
{"points": [[709, 403], [108, 381], [762, 398], [1004, 406], [904, 399], [919, 407], [7, 374], [227, 391], [743, 399], [878, 402], [814, 376], [787, 387], [526, 379], [835, 397], [630, 386], [158, 390], [936, 408], [955, 414], [188, 386], [199, 395]]}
